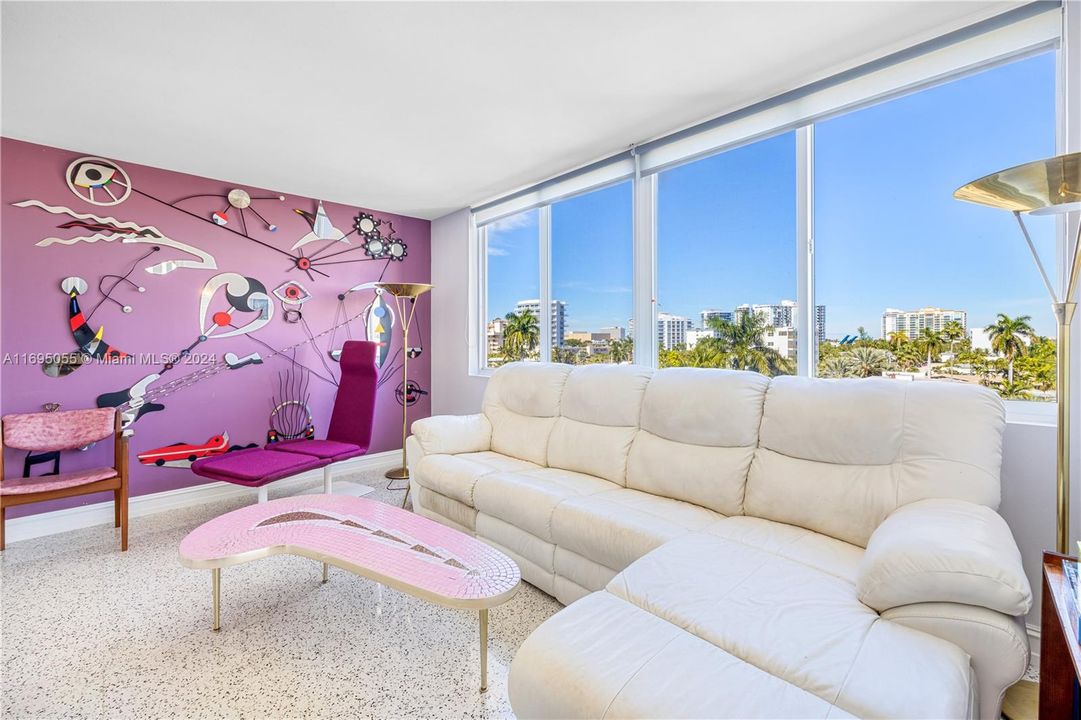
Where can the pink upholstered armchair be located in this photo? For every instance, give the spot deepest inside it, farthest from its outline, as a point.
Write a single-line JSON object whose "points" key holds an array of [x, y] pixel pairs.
{"points": [[68, 430]]}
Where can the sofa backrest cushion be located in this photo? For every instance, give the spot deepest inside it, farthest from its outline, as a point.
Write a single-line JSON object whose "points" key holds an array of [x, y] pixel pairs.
{"points": [[522, 403], [699, 430], [837, 456], [598, 420]]}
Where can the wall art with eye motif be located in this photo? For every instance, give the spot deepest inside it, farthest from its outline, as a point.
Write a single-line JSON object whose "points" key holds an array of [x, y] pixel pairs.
{"points": [[180, 301]]}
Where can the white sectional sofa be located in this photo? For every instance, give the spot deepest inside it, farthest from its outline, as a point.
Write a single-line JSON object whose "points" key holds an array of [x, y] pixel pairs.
{"points": [[733, 546]]}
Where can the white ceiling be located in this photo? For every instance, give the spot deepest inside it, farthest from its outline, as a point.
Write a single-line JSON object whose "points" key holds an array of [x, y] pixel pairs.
{"points": [[417, 108]]}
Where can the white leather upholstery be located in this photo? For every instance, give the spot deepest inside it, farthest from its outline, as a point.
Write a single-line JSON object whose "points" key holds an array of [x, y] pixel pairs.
{"points": [[616, 527], [944, 550], [452, 434], [997, 644], [522, 404], [726, 516], [838, 456], [571, 667], [528, 499], [816, 551], [456, 475], [698, 435]]}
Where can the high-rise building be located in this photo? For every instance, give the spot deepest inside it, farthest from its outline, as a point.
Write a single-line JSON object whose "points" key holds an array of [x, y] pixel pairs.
{"points": [[671, 330], [782, 315], [559, 317], [911, 322], [711, 314], [820, 323], [495, 336]]}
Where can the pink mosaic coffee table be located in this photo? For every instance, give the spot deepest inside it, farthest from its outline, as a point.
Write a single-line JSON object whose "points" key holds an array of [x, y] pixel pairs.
{"points": [[394, 547]]}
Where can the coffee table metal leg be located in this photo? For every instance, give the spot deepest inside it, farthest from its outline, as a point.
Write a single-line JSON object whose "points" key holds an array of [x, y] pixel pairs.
{"points": [[215, 575], [484, 650], [326, 572]]}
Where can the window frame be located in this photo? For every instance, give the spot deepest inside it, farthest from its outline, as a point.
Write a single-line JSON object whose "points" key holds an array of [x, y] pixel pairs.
{"points": [[740, 129]]}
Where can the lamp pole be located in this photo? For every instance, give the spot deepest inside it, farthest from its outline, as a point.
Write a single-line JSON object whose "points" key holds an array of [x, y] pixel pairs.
{"points": [[1046, 187]]}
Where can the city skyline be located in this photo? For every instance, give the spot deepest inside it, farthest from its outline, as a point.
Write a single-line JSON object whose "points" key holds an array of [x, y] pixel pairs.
{"points": [[726, 224], [892, 320]]}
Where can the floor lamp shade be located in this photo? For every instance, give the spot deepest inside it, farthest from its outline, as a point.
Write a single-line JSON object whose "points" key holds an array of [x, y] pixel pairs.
{"points": [[405, 300], [1045, 187]]}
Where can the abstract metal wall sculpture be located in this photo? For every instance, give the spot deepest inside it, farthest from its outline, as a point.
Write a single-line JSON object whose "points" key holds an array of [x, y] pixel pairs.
{"points": [[241, 294], [87, 174], [322, 228], [90, 343], [290, 414], [378, 321], [235, 307], [182, 455], [237, 199], [108, 229]]}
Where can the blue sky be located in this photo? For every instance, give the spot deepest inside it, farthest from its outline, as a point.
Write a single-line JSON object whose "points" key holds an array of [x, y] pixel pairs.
{"points": [[888, 231]]}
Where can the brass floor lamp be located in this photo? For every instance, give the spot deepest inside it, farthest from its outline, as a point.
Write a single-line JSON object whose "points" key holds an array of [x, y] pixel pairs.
{"points": [[1045, 187], [405, 301]]}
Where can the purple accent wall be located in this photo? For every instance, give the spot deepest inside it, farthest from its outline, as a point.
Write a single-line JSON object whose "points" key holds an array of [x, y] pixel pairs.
{"points": [[165, 318]]}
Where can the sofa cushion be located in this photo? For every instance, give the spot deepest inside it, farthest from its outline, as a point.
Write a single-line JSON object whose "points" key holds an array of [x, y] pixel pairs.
{"points": [[527, 498], [699, 432], [598, 420], [713, 477], [658, 670], [797, 623], [838, 456], [456, 475], [699, 406], [605, 394], [617, 527], [591, 449], [522, 403], [820, 552]]}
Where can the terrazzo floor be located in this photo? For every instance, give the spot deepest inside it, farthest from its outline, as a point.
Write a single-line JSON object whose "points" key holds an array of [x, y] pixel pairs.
{"points": [[89, 632]]}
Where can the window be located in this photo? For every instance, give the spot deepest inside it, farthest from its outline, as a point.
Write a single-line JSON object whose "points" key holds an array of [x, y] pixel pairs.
{"points": [[918, 285], [726, 260], [512, 259], [592, 241], [821, 241]]}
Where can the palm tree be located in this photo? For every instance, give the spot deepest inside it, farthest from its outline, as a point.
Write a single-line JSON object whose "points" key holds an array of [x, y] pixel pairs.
{"points": [[908, 356], [897, 338], [521, 335], [868, 361], [621, 350], [1008, 337], [1014, 391], [931, 342], [835, 366], [953, 331], [740, 346]]}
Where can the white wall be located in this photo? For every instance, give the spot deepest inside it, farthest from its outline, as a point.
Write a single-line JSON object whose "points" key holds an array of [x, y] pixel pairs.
{"points": [[1028, 500], [454, 391]]}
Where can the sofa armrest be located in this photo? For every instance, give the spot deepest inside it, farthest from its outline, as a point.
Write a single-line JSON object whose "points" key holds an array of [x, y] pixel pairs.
{"points": [[944, 551], [453, 434]]}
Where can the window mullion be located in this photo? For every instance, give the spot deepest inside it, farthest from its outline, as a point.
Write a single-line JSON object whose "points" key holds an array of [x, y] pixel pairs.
{"points": [[644, 279], [545, 262], [806, 314]]}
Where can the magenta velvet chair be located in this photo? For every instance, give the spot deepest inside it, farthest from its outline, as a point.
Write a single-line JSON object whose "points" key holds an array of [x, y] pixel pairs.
{"points": [[349, 433], [67, 430]]}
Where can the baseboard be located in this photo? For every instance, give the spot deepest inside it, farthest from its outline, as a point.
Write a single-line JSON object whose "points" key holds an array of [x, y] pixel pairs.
{"points": [[84, 516], [1034, 645]]}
